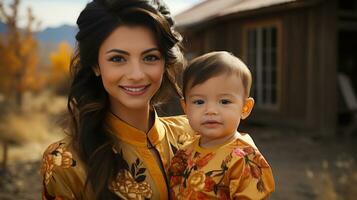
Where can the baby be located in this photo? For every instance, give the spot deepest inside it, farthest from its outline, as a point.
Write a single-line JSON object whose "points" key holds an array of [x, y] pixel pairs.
{"points": [[221, 163]]}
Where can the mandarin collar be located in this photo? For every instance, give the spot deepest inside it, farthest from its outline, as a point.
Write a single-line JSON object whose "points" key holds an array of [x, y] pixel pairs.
{"points": [[132, 135]]}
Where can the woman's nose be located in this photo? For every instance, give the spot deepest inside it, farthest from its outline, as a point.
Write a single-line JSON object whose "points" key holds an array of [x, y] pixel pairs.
{"points": [[135, 72]]}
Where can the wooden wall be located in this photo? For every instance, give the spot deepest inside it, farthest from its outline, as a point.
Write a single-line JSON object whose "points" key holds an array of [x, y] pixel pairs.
{"points": [[308, 62]]}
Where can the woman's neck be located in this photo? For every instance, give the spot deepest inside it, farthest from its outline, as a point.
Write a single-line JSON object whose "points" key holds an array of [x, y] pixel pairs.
{"points": [[138, 118]]}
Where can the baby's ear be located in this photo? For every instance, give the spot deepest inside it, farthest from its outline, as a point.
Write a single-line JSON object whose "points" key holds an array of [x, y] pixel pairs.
{"points": [[247, 107], [183, 104]]}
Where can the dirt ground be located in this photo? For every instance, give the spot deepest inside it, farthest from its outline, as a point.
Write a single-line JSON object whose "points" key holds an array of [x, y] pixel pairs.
{"points": [[310, 167], [305, 167]]}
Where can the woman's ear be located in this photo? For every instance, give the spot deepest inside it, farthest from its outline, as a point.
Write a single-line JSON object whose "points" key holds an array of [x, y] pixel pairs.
{"points": [[247, 107], [96, 70], [183, 104]]}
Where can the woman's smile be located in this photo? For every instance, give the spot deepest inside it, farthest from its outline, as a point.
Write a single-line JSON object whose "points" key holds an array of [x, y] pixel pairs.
{"points": [[136, 90]]}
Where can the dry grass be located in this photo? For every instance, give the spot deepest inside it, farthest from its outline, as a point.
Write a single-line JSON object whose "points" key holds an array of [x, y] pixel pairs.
{"points": [[335, 180], [36, 127]]}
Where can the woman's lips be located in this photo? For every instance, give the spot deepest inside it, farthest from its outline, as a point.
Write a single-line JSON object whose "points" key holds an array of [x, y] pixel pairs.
{"points": [[135, 90]]}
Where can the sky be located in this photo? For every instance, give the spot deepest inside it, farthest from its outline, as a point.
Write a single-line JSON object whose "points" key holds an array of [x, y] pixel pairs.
{"points": [[53, 13]]}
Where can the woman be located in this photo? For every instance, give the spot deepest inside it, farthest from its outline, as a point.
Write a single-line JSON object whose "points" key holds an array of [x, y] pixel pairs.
{"points": [[127, 60]]}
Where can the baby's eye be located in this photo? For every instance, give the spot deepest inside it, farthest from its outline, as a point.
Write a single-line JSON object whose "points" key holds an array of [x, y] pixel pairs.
{"points": [[225, 101], [151, 58], [117, 59], [198, 102]]}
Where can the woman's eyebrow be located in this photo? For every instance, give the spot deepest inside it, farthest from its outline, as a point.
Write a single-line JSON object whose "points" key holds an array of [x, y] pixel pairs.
{"points": [[127, 53], [118, 51], [151, 49]]}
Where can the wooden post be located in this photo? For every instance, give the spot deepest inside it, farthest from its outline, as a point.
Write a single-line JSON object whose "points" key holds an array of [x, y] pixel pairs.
{"points": [[4, 157]]}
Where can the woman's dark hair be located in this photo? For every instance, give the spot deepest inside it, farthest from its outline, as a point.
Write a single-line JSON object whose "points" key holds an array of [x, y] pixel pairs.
{"points": [[88, 102]]}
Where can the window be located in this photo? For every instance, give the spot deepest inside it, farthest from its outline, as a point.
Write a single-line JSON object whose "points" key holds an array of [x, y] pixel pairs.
{"points": [[262, 47]]}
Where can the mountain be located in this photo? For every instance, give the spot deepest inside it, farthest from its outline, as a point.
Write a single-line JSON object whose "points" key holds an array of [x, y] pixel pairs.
{"points": [[2, 27], [55, 35], [49, 39]]}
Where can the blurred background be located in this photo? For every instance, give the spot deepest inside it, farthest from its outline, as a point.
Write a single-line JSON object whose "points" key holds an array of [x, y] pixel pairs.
{"points": [[302, 54]]}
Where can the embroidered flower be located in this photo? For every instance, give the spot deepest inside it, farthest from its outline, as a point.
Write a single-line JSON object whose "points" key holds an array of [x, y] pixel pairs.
{"points": [[201, 196], [254, 164], [173, 195], [190, 163], [178, 163], [184, 138], [188, 193], [55, 155], [209, 184], [126, 187], [249, 150], [256, 172], [223, 193], [201, 162], [175, 180], [197, 181], [228, 158], [261, 161], [238, 152], [246, 171]]}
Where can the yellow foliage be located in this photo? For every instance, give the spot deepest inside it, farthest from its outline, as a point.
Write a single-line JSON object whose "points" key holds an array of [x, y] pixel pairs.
{"points": [[60, 61], [19, 57]]}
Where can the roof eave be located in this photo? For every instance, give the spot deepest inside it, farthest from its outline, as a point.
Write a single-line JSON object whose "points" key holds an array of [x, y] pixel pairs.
{"points": [[247, 13]]}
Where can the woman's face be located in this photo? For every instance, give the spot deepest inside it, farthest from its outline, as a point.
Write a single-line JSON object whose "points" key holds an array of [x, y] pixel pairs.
{"points": [[131, 67]]}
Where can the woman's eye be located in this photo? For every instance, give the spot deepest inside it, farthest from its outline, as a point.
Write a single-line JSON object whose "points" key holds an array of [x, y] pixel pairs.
{"points": [[117, 59], [225, 101], [198, 102], [151, 58]]}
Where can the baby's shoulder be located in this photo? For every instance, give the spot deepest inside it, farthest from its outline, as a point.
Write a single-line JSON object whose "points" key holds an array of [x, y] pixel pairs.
{"points": [[244, 147], [244, 139]]}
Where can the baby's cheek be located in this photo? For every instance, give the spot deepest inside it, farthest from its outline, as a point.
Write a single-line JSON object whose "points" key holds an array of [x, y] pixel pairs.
{"points": [[194, 123]]}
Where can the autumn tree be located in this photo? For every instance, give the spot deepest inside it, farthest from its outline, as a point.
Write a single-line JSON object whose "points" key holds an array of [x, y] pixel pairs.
{"points": [[60, 61], [19, 65]]}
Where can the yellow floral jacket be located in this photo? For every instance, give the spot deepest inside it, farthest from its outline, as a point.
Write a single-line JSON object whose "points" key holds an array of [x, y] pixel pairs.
{"points": [[145, 177], [236, 170]]}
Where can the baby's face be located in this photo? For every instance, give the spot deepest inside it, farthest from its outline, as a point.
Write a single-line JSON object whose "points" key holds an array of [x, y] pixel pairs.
{"points": [[214, 108]]}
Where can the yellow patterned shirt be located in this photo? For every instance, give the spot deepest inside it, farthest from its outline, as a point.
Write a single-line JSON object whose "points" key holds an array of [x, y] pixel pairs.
{"points": [[64, 174], [235, 170]]}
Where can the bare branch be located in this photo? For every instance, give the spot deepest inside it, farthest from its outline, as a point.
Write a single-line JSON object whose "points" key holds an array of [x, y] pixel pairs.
{"points": [[14, 15], [3, 14]]}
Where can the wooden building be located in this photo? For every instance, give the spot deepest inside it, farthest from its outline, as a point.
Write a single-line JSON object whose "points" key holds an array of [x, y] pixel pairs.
{"points": [[294, 48]]}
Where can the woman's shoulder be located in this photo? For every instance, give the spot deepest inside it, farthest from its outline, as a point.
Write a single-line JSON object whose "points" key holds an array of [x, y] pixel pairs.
{"points": [[57, 150], [62, 173], [59, 158]]}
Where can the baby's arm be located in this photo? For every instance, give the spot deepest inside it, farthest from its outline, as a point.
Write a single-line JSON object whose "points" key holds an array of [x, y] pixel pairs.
{"points": [[250, 177]]}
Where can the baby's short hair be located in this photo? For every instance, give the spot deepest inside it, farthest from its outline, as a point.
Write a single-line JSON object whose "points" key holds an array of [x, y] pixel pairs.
{"points": [[213, 64]]}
